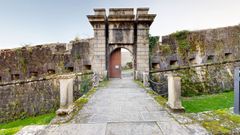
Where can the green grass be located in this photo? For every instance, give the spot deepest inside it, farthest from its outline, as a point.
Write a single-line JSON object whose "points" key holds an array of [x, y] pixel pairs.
{"points": [[161, 100], [208, 102], [13, 127], [104, 83], [139, 83]]}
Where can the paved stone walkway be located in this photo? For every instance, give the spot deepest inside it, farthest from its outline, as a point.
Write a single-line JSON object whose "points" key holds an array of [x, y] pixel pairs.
{"points": [[123, 108]]}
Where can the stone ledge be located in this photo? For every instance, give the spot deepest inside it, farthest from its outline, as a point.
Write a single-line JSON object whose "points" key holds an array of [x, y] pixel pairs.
{"points": [[64, 76]]}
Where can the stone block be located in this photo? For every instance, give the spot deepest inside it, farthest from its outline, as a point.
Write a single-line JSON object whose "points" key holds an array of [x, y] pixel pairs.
{"points": [[133, 128], [145, 79], [66, 92], [100, 49], [142, 11], [100, 11], [121, 11], [142, 49], [142, 32], [174, 93], [143, 53]]}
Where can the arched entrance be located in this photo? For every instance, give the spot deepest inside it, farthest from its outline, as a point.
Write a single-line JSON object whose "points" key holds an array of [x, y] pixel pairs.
{"points": [[112, 31], [121, 63], [115, 64]]}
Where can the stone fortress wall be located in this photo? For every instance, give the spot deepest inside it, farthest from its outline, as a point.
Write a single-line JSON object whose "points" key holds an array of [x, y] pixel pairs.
{"points": [[31, 97], [42, 60], [29, 82], [189, 48], [211, 45], [28, 98]]}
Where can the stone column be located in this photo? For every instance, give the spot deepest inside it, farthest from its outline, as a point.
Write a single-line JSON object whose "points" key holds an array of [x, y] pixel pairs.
{"points": [[99, 53], [144, 21], [145, 79], [174, 93], [142, 50], [236, 90], [135, 75]]}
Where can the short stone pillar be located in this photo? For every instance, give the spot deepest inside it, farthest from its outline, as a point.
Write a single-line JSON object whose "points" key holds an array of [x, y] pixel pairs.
{"points": [[145, 79], [95, 79], [66, 96], [105, 74], [136, 75], [66, 92], [174, 93], [236, 90]]}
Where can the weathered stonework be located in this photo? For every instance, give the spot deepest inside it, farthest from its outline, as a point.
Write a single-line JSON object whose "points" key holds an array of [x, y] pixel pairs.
{"points": [[121, 29], [24, 93], [20, 99], [202, 47], [31, 98], [26, 84], [27, 62], [212, 45], [42, 60], [174, 93]]}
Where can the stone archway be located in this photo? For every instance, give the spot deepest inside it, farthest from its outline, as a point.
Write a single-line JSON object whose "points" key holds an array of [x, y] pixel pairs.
{"points": [[121, 29], [115, 58]]}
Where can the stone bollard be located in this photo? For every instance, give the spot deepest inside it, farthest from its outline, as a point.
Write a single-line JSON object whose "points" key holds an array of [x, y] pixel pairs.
{"points": [[66, 96], [174, 93], [236, 90], [145, 79], [135, 75], [95, 80]]}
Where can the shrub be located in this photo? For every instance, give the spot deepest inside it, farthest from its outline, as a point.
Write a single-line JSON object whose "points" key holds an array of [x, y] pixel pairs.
{"points": [[86, 84]]}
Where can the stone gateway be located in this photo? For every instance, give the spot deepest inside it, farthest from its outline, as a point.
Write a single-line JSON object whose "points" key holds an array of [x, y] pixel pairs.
{"points": [[120, 29]]}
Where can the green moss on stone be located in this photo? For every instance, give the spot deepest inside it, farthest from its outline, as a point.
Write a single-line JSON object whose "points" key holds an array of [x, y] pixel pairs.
{"points": [[165, 49], [183, 44], [215, 127]]}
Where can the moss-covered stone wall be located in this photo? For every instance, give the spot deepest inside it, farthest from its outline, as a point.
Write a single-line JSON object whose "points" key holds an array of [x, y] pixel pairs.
{"points": [[30, 62], [24, 87], [42, 60], [28, 98], [188, 48], [199, 47]]}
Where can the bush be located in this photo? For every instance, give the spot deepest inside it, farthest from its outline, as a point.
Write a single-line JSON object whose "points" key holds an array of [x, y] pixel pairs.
{"points": [[207, 82], [86, 84]]}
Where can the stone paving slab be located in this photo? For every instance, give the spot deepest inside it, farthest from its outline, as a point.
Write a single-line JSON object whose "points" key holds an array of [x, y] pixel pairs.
{"points": [[75, 129], [31, 130], [157, 116], [196, 129], [173, 128], [133, 128]]}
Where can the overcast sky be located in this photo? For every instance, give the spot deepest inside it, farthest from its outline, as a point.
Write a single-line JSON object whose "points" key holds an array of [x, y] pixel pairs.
{"points": [[47, 21]]}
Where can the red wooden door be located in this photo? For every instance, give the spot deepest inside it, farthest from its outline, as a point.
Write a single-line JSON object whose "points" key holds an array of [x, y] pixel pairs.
{"points": [[115, 64]]}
